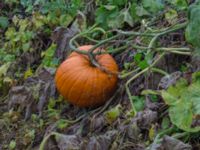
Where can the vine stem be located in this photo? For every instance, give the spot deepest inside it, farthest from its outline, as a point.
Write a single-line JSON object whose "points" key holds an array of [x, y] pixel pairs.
{"points": [[174, 49], [169, 30], [128, 73], [136, 76], [101, 43], [181, 53], [44, 141], [135, 33], [91, 54], [160, 71]]}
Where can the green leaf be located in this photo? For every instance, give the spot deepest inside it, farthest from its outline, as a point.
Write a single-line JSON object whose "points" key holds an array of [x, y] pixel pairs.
{"points": [[154, 98], [117, 2], [179, 89], [3, 22], [112, 114], [169, 99], [49, 60], [140, 11], [112, 18], [165, 123], [152, 132], [139, 102], [133, 12], [110, 7], [184, 103], [5, 57], [4, 68], [38, 20], [171, 16], [138, 57], [115, 20], [52, 103], [196, 105], [65, 20], [127, 17], [127, 66], [26, 46], [193, 29], [153, 6], [62, 123], [181, 114], [101, 16], [143, 64], [28, 73], [23, 24], [10, 33], [180, 4], [12, 145]]}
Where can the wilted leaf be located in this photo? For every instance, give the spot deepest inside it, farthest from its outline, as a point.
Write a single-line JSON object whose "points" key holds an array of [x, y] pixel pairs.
{"points": [[101, 142], [34, 94], [98, 123], [20, 96], [61, 36], [145, 119], [170, 143], [68, 142], [168, 80]]}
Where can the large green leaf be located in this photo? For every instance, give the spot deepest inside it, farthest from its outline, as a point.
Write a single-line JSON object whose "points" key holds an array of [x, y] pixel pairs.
{"points": [[110, 16], [106, 16], [184, 103], [193, 29], [181, 114]]}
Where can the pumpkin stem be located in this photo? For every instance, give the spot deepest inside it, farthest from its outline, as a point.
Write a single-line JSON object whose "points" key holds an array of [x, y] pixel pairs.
{"points": [[93, 60], [95, 63]]}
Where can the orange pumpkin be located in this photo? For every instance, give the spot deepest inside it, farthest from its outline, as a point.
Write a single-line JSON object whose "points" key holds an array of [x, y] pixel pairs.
{"points": [[83, 84]]}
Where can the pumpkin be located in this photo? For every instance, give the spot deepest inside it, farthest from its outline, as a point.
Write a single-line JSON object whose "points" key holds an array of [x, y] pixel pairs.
{"points": [[84, 85]]}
